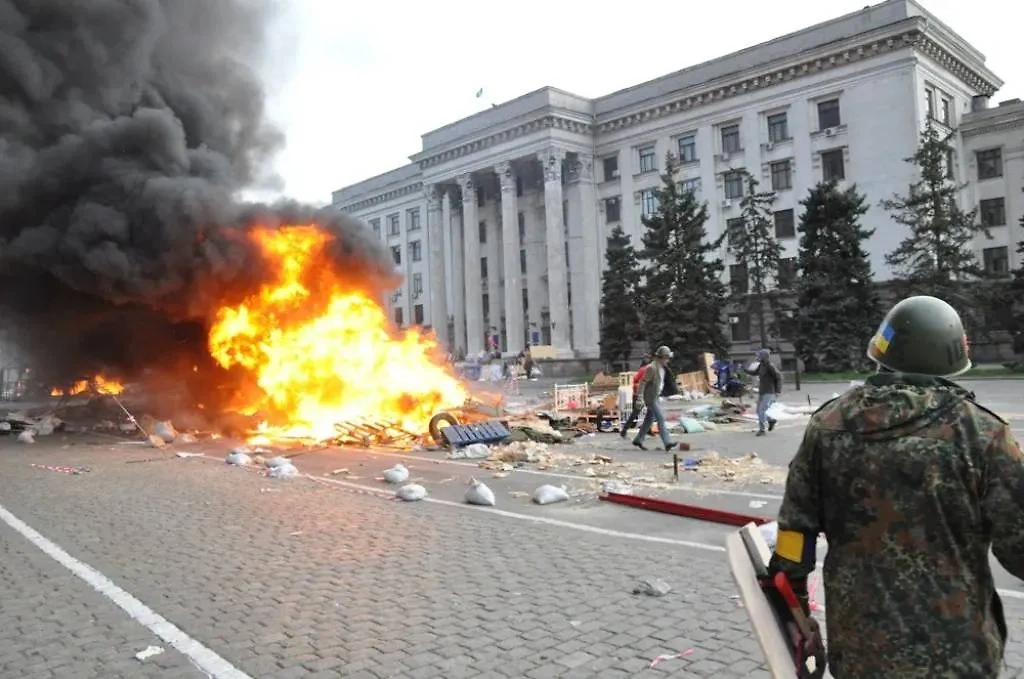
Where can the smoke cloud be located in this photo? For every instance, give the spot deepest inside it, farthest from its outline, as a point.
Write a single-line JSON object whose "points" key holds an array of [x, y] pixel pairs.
{"points": [[127, 129]]}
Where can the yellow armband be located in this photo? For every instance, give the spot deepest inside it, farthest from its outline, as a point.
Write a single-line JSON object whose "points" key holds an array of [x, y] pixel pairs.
{"points": [[797, 547]]}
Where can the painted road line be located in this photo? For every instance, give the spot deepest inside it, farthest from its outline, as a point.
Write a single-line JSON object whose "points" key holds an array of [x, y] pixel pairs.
{"points": [[202, 657]]}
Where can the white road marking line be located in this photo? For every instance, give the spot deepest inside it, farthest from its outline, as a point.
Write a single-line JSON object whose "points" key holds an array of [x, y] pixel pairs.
{"points": [[690, 487], [533, 519], [202, 657]]}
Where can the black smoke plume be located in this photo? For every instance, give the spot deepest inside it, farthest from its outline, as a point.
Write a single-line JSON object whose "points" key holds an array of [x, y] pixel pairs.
{"points": [[127, 130]]}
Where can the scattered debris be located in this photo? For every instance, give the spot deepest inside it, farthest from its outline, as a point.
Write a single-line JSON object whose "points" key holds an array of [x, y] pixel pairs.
{"points": [[187, 455], [411, 493], [397, 474], [26, 437], [652, 587], [480, 494], [62, 469], [280, 468], [757, 504], [672, 656], [548, 494], [474, 451], [337, 472], [239, 457], [148, 653]]}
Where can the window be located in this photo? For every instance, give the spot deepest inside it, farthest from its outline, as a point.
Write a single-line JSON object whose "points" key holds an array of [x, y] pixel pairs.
{"points": [[731, 139], [519, 186], [733, 185], [482, 229], [739, 280], [687, 149], [950, 164], [647, 159], [993, 212], [611, 168], [832, 166], [567, 256], [785, 224], [375, 225], [778, 128], [526, 301], [483, 268], [396, 253], [828, 114], [398, 316], [996, 260], [417, 314], [522, 261], [740, 327], [734, 230], [481, 197], [990, 163], [612, 211], [648, 203], [947, 116], [417, 284], [782, 176], [393, 227], [690, 185], [414, 219], [929, 96], [522, 226], [787, 273], [415, 250], [485, 304]]}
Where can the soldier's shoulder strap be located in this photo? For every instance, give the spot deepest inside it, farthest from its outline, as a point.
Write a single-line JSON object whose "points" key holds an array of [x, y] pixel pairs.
{"points": [[996, 415], [825, 404]]}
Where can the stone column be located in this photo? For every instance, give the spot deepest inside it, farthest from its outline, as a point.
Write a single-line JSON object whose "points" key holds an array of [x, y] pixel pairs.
{"points": [[458, 289], [435, 263], [448, 258], [587, 299], [558, 299], [514, 330], [471, 266]]}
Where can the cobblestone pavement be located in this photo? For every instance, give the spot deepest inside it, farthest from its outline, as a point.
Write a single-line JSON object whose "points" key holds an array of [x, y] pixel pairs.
{"points": [[294, 579]]}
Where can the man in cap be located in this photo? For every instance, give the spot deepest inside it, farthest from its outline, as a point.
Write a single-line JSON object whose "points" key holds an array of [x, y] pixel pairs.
{"points": [[652, 383], [912, 482], [637, 403]]}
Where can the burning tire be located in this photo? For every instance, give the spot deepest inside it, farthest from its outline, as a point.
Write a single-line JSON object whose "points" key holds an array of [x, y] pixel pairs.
{"points": [[436, 422]]}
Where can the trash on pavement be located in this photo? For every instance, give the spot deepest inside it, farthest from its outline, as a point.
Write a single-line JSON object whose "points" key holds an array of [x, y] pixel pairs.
{"points": [[148, 653], [239, 457], [165, 430], [26, 437], [548, 494], [474, 451], [480, 494], [671, 656], [62, 469], [652, 587], [411, 493], [397, 474], [285, 470], [691, 425]]}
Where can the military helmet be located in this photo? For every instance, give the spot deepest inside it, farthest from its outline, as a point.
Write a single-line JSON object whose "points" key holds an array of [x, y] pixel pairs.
{"points": [[663, 352], [921, 335]]}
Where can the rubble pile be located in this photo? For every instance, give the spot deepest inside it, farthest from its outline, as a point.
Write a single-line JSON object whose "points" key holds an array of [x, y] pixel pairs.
{"points": [[747, 469]]}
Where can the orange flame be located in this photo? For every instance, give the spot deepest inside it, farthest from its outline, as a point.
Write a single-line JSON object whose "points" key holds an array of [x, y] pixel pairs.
{"points": [[322, 351], [98, 385]]}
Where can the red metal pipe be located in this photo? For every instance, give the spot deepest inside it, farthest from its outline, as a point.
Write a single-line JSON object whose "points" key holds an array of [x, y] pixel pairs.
{"points": [[688, 511]]}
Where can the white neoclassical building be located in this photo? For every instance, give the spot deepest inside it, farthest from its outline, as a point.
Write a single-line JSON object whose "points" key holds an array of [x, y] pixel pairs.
{"points": [[500, 222]]}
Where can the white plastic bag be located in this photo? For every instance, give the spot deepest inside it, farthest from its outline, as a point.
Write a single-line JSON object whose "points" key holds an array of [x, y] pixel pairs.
{"points": [[239, 456], [275, 462], [480, 494], [547, 494], [475, 451], [397, 474], [411, 493], [26, 437], [166, 431], [283, 471]]}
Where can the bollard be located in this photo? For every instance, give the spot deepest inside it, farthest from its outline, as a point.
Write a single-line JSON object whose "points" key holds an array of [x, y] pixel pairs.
{"points": [[675, 467]]}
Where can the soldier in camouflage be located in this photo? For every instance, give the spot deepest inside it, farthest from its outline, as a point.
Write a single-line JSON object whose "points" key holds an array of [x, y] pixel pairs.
{"points": [[912, 482]]}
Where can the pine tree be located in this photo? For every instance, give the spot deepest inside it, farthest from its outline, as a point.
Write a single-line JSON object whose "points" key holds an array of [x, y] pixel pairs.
{"points": [[753, 243], [936, 258], [837, 302], [620, 322], [683, 296]]}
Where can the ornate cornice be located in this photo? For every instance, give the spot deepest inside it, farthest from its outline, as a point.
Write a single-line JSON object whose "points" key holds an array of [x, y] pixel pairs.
{"points": [[940, 55], [547, 121], [386, 196]]}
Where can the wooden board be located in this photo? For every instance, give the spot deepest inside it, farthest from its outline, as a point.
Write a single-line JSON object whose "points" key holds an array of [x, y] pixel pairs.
{"points": [[777, 651]]}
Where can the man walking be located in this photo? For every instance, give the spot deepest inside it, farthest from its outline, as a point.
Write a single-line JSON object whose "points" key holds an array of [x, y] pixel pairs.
{"points": [[652, 383], [769, 386], [636, 407]]}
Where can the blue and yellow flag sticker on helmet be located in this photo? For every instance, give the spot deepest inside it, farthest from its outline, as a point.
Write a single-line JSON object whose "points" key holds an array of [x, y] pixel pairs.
{"points": [[883, 337]]}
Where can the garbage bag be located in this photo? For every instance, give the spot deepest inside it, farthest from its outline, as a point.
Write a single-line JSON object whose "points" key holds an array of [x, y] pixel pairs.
{"points": [[397, 474], [411, 493], [548, 494], [691, 426], [275, 462], [283, 471], [166, 431], [26, 437], [475, 451], [480, 494], [239, 456]]}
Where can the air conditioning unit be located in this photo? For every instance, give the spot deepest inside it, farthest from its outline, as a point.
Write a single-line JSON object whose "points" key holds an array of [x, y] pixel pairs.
{"points": [[830, 131], [615, 174], [769, 146], [724, 157], [726, 204]]}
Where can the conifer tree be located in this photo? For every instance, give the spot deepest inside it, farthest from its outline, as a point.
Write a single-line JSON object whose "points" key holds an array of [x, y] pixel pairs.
{"points": [[754, 245], [620, 322]]}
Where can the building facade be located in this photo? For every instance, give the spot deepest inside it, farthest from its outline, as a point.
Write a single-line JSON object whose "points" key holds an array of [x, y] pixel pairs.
{"points": [[500, 222]]}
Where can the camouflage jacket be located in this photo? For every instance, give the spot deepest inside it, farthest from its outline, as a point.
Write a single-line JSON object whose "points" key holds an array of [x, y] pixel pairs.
{"points": [[911, 482]]}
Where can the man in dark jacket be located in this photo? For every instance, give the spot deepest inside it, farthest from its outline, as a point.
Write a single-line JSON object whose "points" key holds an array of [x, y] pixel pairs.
{"points": [[912, 483], [769, 386]]}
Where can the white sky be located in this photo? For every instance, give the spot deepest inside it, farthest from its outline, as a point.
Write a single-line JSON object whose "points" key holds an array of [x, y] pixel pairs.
{"points": [[353, 88]]}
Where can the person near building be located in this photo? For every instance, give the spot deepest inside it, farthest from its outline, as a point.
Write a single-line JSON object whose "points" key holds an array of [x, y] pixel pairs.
{"points": [[912, 483], [769, 386], [637, 403], [652, 384]]}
